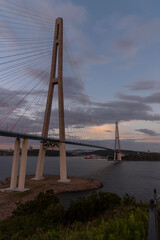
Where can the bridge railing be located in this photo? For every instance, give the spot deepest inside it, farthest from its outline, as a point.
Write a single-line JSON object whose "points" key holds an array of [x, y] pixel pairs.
{"points": [[154, 218]]}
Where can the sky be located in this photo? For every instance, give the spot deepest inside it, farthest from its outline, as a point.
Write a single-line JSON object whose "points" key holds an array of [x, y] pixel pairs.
{"points": [[111, 68]]}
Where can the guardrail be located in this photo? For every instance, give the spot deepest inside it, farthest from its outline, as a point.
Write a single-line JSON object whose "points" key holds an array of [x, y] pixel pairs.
{"points": [[153, 230]]}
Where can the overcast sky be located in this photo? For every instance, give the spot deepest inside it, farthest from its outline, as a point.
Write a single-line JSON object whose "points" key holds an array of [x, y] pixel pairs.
{"points": [[111, 69]]}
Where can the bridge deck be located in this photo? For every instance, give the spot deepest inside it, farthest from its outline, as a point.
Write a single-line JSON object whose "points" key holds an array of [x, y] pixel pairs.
{"points": [[40, 138]]}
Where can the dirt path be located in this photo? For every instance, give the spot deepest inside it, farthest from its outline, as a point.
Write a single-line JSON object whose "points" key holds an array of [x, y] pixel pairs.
{"points": [[8, 199]]}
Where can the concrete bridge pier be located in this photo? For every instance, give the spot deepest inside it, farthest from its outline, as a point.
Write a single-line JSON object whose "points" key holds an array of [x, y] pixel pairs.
{"points": [[40, 164], [63, 165], [22, 171], [14, 173], [119, 156]]}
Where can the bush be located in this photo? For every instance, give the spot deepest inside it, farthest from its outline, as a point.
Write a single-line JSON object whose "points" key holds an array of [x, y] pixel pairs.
{"points": [[133, 227], [19, 227], [129, 200], [84, 209], [55, 213], [38, 205], [43, 212]]}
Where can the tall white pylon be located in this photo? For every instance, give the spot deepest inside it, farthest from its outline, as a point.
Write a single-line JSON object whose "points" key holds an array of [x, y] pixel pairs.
{"points": [[117, 152], [55, 79]]}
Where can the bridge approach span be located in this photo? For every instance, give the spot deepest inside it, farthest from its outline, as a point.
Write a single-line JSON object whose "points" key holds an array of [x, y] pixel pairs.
{"points": [[43, 139]]}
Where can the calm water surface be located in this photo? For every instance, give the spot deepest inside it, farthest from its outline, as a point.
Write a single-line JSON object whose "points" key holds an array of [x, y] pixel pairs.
{"points": [[137, 178]]}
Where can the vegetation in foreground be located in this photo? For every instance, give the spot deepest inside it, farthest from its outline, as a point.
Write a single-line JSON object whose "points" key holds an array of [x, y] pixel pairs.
{"points": [[101, 216]]}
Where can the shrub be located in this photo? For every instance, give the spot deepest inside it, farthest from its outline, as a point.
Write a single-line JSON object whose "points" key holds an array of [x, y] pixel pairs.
{"points": [[19, 227], [38, 205], [55, 213], [129, 200], [133, 227], [84, 209]]}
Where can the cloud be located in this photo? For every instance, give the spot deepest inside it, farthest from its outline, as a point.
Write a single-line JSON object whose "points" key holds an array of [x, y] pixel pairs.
{"points": [[124, 43], [82, 112], [90, 57], [74, 90], [148, 132], [140, 85], [122, 105], [111, 112], [8, 98], [153, 98], [129, 97], [128, 34], [126, 46]]}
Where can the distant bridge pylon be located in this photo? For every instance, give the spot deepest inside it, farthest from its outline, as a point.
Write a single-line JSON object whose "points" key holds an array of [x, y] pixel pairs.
{"points": [[117, 151]]}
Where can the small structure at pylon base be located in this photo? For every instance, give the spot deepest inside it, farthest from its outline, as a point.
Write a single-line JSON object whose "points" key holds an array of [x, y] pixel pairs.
{"points": [[117, 152]]}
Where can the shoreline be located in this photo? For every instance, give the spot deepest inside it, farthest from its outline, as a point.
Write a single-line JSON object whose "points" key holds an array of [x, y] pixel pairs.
{"points": [[8, 199]]}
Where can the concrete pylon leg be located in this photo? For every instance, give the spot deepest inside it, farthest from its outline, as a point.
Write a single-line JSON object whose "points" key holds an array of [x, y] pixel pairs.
{"points": [[13, 183], [119, 157], [22, 171], [40, 164], [63, 166]]}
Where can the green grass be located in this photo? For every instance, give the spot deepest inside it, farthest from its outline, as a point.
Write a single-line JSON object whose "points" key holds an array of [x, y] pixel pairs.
{"points": [[132, 226]]}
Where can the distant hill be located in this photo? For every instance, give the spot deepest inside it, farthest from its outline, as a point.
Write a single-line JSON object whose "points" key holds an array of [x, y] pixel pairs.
{"points": [[143, 156]]}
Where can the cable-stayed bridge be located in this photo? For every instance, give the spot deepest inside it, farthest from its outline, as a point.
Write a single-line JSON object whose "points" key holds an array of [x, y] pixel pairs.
{"points": [[33, 103]]}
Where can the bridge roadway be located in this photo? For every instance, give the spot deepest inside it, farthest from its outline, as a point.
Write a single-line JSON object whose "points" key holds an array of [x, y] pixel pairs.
{"points": [[43, 139]]}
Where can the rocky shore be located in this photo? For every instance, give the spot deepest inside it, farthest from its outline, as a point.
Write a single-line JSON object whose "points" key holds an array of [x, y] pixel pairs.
{"points": [[8, 199]]}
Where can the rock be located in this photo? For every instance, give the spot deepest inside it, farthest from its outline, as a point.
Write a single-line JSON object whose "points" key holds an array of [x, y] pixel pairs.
{"points": [[5, 181]]}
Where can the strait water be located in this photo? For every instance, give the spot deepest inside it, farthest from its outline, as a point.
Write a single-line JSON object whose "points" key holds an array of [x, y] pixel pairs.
{"points": [[136, 178]]}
